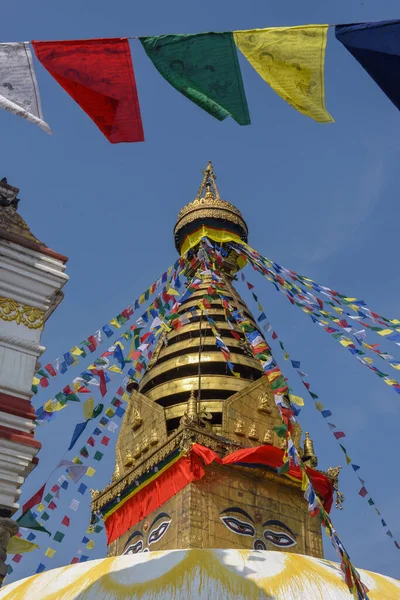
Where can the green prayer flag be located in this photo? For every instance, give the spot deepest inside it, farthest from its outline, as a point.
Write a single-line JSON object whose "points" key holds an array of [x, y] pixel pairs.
{"points": [[371, 502], [28, 521], [98, 528], [313, 396], [48, 497], [284, 468], [343, 448], [45, 516], [58, 536], [280, 430], [204, 67], [98, 455]]}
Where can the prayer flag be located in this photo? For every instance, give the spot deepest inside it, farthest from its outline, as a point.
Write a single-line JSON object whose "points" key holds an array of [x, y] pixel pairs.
{"points": [[88, 407], [82, 488], [363, 492], [339, 434], [18, 85], [17, 545], [66, 521], [376, 46], [74, 504], [40, 568], [291, 60], [28, 521], [203, 67], [50, 552], [98, 75], [90, 471], [35, 499], [79, 429], [58, 536]]}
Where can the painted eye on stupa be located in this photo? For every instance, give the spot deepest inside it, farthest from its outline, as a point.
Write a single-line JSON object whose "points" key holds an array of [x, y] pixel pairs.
{"points": [[280, 539], [157, 534], [238, 526], [135, 548]]}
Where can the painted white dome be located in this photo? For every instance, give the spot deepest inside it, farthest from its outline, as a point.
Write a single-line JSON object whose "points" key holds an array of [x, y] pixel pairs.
{"points": [[200, 574]]}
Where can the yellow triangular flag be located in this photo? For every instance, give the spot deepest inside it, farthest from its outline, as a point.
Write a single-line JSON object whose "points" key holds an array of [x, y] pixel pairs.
{"points": [[88, 407], [90, 545], [348, 459], [172, 292], [291, 60], [296, 400], [115, 323], [385, 332], [50, 552], [77, 351], [114, 369], [17, 545]]}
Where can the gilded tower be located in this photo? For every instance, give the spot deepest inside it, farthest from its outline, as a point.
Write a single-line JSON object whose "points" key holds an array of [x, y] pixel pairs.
{"points": [[188, 395]]}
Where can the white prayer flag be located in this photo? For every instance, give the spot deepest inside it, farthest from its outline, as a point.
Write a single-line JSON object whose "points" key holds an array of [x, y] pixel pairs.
{"points": [[19, 92]]}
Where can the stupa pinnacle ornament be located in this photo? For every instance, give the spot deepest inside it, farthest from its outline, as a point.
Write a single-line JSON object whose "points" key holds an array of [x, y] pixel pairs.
{"points": [[189, 397]]}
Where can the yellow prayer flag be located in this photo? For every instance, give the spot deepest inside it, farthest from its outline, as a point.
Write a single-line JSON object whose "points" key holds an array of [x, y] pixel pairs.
{"points": [[109, 412], [385, 332], [114, 369], [40, 507], [286, 355], [291, 60], [17, 545], [118, 343], [296, 400], [50, 552], [53, 406], [125, 397], [35, 381], [76, 460], [115, 323], [390, 381], [395, 321], [304, 481], [172, 292], [88, 407], [346, 342], [395, 366], [273, 375], [77, 351], [368, 360], [338, 310], [348, 459], [90, 545], [349, 299], [90, 471], [142, 299]]}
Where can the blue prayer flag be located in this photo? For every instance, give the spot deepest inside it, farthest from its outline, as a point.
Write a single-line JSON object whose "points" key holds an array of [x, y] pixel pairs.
{"points": [[120, 411], [107, 330], [376, 46], [326, 413], [79, 429], [82, 488], [63, 367], [69, 359], [40, 568], [296, 364]]}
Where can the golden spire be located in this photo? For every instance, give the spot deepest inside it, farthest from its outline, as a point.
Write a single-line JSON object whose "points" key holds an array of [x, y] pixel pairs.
{"points": [[209, 183]]}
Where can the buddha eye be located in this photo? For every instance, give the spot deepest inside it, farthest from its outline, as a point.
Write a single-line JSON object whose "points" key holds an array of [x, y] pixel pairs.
{"points": [[280, 539], [238, 526], [157, 534], [135, 548]]}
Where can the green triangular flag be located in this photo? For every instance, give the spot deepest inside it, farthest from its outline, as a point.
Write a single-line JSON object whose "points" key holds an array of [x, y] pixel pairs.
{"points": [[204, 67], [280, 430], [28, 521], [284, 468]]}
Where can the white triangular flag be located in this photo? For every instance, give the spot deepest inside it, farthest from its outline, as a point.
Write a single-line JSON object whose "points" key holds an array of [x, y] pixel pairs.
{"points": [[19, 92]]}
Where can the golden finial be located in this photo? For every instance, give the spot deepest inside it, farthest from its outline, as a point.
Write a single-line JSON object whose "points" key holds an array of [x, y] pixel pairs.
{"points": [[239, 427], [252, 433], [136, 419], [309, 456], [128, 459], [208, 182], [116, 473]]}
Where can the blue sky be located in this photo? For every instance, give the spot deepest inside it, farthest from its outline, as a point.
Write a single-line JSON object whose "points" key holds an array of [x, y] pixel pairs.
{"points": [[319, 199]]}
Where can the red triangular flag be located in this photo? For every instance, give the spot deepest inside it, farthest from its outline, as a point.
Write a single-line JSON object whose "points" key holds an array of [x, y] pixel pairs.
{"points": [[98, 75], [36, 499], [65, 521]]}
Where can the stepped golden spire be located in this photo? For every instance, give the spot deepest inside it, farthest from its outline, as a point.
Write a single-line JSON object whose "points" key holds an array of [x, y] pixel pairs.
{"points": [[189, 396]]}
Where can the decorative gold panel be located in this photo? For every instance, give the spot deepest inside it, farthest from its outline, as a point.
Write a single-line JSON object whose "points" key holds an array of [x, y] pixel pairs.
{"points": [[186, 384], [22, 314]]}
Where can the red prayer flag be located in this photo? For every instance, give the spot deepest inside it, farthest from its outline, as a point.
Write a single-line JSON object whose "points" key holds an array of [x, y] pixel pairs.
{"points": [[50, 369], [274, 336], [397, 545], [363, 492], [339, 434], [102, 377], [90, 441], [44, 382], [98, 75], [52, 505], [74, 560], [250, 286], [36, 499], [65, 521], [16, 558], [105, 440]]}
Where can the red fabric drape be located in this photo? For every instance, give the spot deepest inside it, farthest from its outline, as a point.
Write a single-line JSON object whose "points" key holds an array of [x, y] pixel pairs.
{"points": [[272, 457], [98, 75], [189, 469]]}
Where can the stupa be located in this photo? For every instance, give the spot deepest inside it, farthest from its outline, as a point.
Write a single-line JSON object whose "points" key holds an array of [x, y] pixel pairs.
{"points": [[180, 523]]}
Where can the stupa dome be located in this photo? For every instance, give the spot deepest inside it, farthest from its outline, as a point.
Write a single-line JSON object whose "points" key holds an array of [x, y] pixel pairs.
{"points": [[201, 574]]}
